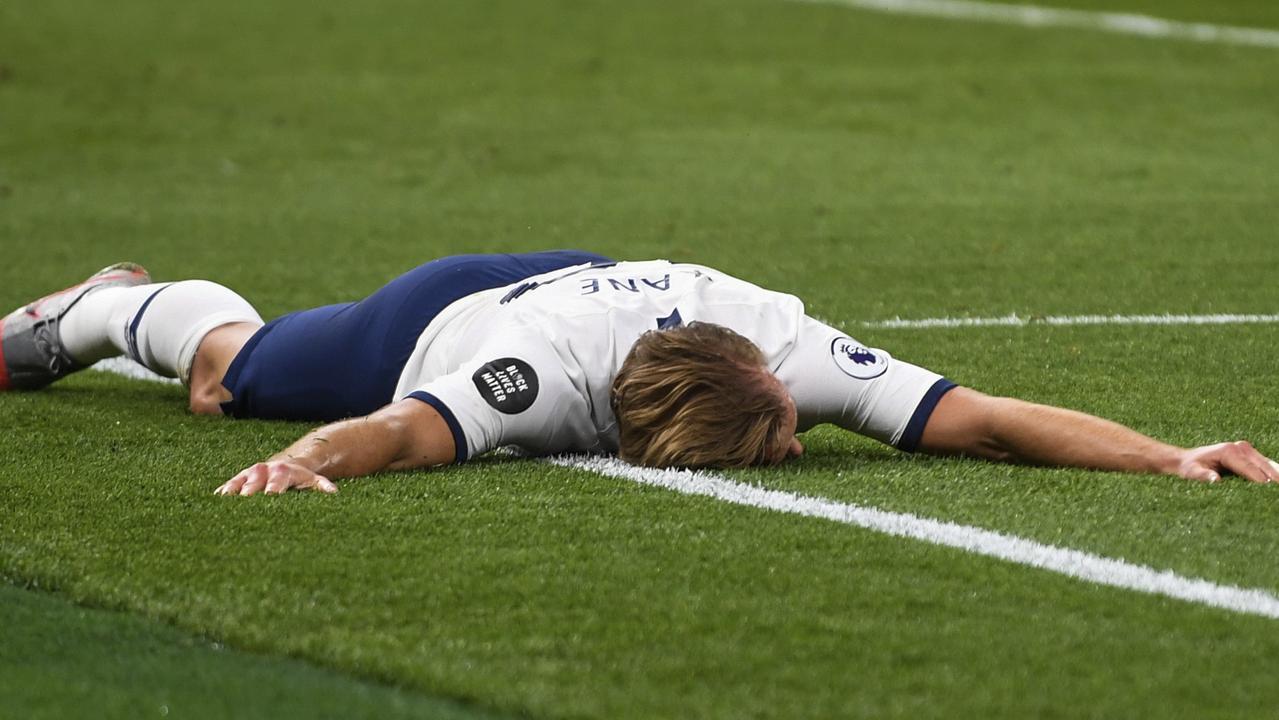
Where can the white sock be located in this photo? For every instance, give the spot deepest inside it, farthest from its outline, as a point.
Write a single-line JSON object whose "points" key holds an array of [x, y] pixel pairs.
{"points": [[159, 325], [83, 330]]}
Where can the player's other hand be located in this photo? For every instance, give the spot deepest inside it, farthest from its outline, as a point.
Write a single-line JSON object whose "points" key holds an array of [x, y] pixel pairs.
{"points": [[1210, 462], [275, 477]]}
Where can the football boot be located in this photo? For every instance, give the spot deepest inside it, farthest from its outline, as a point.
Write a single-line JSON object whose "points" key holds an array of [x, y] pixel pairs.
{"points": [[31, 353]]}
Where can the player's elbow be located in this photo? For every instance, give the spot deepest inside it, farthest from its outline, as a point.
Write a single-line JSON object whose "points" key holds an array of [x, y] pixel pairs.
{"points": [[1004, 423], [394, 424], [994, 448]]}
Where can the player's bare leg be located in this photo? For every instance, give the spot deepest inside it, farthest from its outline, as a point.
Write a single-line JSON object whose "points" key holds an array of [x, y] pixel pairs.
{"points": [[216, 352]]}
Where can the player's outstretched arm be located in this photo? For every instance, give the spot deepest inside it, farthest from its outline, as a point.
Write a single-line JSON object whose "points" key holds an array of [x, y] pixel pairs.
{"points": [[967, 422], [402, 435]]}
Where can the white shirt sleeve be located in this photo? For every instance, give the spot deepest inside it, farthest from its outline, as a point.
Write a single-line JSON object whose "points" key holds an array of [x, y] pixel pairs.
{"points": [[835, 379], [516, 390]]}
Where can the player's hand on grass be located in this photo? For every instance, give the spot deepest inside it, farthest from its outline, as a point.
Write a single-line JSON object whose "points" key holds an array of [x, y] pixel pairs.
{"points": [[275, 477], [1210, 462]]}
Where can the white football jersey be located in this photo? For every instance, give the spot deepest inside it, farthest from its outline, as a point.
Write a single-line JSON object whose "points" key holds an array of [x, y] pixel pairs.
{"points": [[531, 364]]}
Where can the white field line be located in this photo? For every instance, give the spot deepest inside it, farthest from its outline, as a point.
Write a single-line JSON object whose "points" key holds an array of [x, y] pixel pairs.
{"points": [[1073, 563], [1039, 17], [1068, 320]]}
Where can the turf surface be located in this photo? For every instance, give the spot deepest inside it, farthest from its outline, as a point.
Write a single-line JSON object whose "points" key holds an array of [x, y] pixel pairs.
{"points": [[874, 165], [59, 660]]}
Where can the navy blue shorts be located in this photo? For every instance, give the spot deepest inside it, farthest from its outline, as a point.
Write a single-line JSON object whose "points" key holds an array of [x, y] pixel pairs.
{"points": [[345, 360]]}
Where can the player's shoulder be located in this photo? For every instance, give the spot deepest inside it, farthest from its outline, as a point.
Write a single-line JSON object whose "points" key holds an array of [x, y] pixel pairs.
{"points": [[688, 271], [733, 288]]}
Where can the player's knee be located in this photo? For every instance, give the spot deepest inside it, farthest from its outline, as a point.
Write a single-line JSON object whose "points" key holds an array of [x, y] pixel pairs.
{"points": [[204, 402]]}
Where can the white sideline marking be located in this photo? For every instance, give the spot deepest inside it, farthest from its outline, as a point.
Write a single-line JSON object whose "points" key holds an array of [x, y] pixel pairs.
{"points": [[1073, 563], [1037, 17], [1067, 320]]}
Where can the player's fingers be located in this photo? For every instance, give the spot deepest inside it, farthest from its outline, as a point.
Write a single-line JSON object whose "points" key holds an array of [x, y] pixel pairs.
{"points": [[1203, 474], [1258, 468], [1259, 474], [1247, 451], [1265, 465], [257, 479], [278, 480], [232, 486], [314, 481], [1240, 463]]}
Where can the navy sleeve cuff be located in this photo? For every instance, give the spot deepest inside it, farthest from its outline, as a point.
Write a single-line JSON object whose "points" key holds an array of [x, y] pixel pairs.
{"points": [[459, 440], [915, 428]]}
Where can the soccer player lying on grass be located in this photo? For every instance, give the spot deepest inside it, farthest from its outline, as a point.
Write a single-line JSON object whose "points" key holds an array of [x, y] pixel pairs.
{"points": [[665, 364]]}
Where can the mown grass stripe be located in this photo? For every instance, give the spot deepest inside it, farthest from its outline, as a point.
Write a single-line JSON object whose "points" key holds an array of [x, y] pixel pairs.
{"points": [[1073, 563], [1037, 17], [1015, 320]]}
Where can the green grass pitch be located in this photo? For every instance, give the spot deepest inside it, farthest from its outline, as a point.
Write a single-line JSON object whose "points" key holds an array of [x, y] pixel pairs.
{"points": [[875, 165]]}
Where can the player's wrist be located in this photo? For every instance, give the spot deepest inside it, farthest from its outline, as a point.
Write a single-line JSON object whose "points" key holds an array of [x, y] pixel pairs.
{"points": [[1170, 460]]}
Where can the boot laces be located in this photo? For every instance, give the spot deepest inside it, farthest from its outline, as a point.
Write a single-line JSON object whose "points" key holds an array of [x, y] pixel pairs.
{"points": [[47, 342]]}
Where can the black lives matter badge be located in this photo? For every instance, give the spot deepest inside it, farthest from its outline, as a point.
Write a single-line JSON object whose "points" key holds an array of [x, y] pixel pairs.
{"points": [[509, 385]]}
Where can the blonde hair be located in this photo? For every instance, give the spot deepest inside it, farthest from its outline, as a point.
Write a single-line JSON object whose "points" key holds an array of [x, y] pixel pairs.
{"points": [[697, 396]]}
